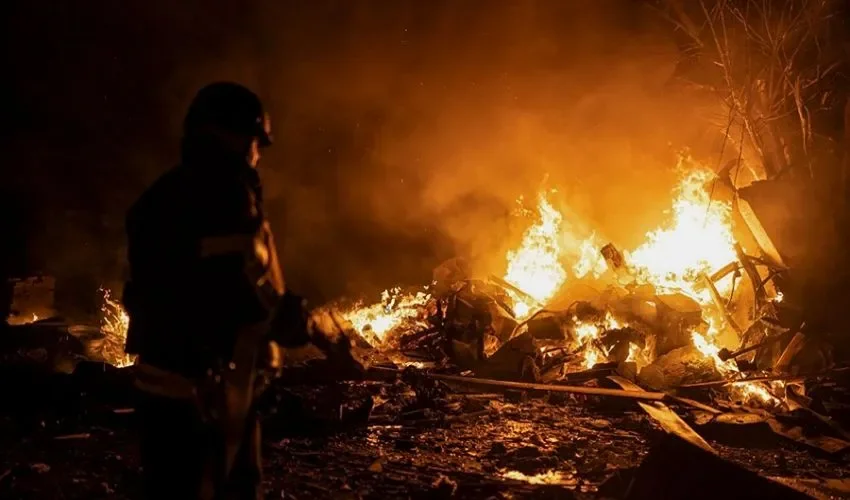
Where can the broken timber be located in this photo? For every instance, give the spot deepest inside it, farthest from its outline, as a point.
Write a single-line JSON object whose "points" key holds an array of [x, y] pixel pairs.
{"points": [[721, 383], [590, 391], [528, 386], [386, 373]]}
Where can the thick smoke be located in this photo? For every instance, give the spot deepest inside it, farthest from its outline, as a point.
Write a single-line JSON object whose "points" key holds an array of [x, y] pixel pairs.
{"points": [[405, 130], [409, 131]]}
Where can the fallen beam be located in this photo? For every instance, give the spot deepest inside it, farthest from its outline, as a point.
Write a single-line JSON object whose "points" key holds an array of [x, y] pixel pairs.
{"points": [[381, 373], [722, 383], [527, 386], [695, 404]]}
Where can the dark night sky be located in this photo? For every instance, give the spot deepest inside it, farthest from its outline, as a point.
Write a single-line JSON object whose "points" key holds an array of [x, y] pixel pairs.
{"points": [[391, 116]]}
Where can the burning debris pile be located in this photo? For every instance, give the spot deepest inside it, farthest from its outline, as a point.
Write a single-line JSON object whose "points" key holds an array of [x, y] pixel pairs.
{"points": [[688, 312], [554, 375], [49, 339]]}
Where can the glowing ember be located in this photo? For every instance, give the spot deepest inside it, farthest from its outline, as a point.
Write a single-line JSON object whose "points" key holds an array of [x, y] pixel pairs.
{"points": [[114, 323], [535, 267], [548, 477], [376, 321], [698, 240]]}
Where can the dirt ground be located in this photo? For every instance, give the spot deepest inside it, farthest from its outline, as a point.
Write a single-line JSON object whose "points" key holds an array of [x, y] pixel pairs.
{"points": [[85, 447]]}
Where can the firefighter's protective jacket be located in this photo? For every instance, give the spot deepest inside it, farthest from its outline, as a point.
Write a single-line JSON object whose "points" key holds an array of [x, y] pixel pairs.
{"points": [[203, 264]]}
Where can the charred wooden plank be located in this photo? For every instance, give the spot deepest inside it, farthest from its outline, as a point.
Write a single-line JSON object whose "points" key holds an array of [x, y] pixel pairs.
{"points": [[590, 391]]}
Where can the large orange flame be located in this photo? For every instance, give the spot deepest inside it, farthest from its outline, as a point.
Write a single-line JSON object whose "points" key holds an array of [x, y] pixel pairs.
{"points": [[697, 240], [535, 267]]}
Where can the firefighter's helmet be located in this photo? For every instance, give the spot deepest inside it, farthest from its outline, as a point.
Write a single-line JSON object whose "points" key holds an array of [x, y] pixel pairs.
{"points": [[232, 107]]}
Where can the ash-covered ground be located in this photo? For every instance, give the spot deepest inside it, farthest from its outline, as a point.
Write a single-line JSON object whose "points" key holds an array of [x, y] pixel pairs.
{"points": [[70, 436]]}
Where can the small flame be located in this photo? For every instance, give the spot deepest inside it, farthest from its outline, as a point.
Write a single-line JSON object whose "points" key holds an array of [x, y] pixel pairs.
{"points": [[114, 323], [376, 321], [587, 333], [591, 357], [779, 297], [634, 350], [747, 391], [34, 317]]}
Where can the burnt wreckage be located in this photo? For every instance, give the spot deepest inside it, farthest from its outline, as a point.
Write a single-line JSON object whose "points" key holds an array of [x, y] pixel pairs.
{"points": [[606, 379]]}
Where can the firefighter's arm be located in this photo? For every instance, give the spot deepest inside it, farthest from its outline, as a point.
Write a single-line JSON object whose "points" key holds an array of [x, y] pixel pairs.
{"points": [[289, 323], [295, 325]]}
